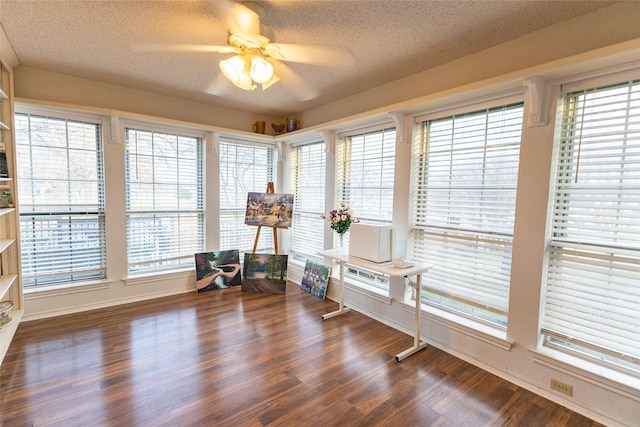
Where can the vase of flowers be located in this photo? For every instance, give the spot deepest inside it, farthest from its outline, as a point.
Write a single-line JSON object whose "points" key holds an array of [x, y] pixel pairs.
{"points": [[340, 219]]}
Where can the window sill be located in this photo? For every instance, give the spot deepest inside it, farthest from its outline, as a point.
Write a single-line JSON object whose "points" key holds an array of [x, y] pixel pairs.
{"points": [[152, 277], [31, 293], [625, 385], [477, 330], [296, 263]]}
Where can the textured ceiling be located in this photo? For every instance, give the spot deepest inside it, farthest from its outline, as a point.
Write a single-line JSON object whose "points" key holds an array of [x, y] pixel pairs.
{"points": [[388, 39]]}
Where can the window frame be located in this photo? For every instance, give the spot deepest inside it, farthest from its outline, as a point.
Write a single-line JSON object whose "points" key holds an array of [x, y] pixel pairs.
{"points": [[183, 258], [243, 237], [343, 189], [305, 214], [461, 304], [64, 277], [576, 250]]}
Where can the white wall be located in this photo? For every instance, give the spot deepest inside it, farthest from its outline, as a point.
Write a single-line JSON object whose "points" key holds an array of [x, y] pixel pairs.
{"points": [[608, 38], [46, 86]]}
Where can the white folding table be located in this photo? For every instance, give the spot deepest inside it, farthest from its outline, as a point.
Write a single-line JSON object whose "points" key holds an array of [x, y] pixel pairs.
{"points": [[387, 269]]}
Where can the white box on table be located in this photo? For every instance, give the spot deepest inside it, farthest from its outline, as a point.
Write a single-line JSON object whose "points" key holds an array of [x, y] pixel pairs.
{"points": [[370, 242]]}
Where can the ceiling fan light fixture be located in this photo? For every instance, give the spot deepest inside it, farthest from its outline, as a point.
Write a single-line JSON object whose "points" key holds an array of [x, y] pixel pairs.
{"points": [[245, 82], [233, 67], [261, 70], [236, 70]]}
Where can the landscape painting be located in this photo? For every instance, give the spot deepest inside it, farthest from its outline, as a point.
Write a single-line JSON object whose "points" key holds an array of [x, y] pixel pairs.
{"points": [[265, 273], [217, 270], [269, 209], [315, 278]]}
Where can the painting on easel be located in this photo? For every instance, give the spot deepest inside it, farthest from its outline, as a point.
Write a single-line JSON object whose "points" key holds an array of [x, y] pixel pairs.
{"points": [[217, 270], [265, 273], [269, 209]]}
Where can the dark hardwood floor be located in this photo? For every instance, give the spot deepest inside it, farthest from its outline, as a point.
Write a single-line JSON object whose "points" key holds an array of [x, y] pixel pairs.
{"points": [[228, 358]]}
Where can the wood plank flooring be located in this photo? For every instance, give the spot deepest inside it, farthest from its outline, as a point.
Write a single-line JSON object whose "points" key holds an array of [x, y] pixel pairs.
{"points": [[232, 358]]}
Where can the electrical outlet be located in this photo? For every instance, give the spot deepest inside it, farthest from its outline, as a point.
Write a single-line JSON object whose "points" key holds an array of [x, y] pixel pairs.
{"points": [[561, 387]]}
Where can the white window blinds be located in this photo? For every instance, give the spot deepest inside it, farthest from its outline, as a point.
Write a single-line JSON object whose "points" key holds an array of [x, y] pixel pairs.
{"points": [[61, 186], [465, 170], [243, 169], [592, 299], [164, 190], [308, 167], [365, 174]]}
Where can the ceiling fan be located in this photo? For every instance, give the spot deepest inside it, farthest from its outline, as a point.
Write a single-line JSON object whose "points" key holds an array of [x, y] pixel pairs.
{"points": [[256, 59]]}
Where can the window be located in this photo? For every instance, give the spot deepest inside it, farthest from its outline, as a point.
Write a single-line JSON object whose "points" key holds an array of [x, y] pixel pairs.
{"points": [[592, 298], [465, 171], [365, 179], [308, 166], [61, 187], [164, 190], [243, 169]]}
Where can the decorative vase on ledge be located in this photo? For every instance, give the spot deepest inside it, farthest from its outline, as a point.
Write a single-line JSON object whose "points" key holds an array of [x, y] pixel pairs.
{"points": [[292, 124], [278, 127]]}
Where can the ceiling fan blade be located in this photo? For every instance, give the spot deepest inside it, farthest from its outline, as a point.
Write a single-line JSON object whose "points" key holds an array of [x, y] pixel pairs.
{"points": [[169, 47], [243, 19], [219, 86], [310, 54], [266, 85], [301, 89]]}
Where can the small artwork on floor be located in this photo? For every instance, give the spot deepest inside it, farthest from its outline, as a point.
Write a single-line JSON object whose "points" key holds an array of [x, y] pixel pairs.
{"points": [[315, 278], [269, 209], [265, 273], [217, 270]]}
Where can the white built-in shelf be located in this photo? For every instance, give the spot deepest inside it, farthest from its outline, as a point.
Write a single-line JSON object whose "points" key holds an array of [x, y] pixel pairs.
{"points": [[10, 286], [4, 211], [5, 243], [9, 330], [5, 284]]}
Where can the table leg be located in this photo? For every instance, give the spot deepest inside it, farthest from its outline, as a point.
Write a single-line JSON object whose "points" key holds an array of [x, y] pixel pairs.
{"points": [[341, 309], [417, 344]]}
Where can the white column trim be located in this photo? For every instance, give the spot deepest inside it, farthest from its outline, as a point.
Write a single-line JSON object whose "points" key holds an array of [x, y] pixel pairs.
{"points": [[329, 140], [212, 141], [402, 127], [539, 100], [281, 151], [114, 130]]}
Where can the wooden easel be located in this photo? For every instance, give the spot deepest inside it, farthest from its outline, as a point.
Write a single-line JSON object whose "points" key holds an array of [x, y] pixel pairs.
{"points": [[275, 230]]}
